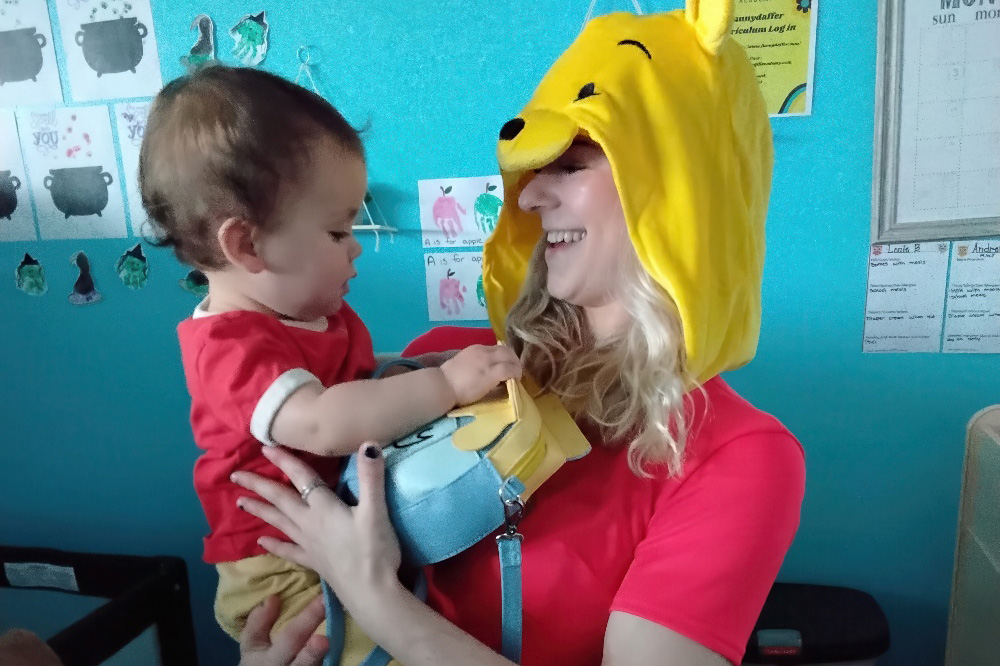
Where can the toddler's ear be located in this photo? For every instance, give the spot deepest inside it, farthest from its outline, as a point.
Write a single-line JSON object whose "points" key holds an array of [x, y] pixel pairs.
{"points": [[237, 239], [712, 20]]}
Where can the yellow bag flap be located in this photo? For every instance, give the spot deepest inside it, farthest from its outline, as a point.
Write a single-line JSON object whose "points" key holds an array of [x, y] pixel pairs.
{"points": [[541, 435], [562, 429], [491, 417]]}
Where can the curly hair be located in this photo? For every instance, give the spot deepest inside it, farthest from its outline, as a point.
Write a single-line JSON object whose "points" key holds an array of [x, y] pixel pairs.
{"points": [[632, 385]]}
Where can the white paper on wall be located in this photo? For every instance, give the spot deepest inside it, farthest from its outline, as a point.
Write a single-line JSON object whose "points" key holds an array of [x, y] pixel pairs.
{"points": [[949, 136], [905, 302], [459, 212], [29, 74], [130, 122], [17, 217], [110, 49], [455, 286], [70, 156], [972, 322]]}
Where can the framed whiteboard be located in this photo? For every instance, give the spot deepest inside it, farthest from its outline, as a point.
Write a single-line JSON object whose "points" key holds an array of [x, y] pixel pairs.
{"points": [[937, 121]]}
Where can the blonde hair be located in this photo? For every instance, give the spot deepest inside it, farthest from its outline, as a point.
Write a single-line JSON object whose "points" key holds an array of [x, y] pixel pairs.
{"points": [[632, 385]]}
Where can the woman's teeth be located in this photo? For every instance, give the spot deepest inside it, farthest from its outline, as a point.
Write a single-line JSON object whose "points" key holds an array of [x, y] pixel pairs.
{"points": [[565, 236]]}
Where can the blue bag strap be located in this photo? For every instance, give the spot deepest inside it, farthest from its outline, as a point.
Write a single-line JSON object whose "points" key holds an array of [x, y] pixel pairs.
{"points": [[510, 596], [511, 599], [509, 547], [336, 628], [404, 362]]}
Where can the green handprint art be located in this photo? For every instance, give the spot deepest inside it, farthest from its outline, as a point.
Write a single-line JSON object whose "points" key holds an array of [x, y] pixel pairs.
{"points": [[132, 268], [487, 209], [480, 292], [250, 35], [30, 276]]}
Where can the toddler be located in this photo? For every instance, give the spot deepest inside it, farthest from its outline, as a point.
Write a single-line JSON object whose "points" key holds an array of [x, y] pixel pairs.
{"points": [[256, 182]]}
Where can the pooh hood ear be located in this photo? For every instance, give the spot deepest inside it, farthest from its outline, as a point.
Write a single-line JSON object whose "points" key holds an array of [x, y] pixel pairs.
{"points": [[712, 21]]}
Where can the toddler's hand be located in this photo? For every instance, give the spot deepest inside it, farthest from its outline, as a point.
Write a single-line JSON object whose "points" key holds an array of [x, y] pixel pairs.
{"points": [[474, 371]]}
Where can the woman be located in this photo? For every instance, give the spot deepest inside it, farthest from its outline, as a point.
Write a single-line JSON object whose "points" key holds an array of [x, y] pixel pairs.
{"points": [[625, 270]]}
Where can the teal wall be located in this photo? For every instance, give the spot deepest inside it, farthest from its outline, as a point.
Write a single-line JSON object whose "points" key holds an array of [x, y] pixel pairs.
{"points": [[95, 451]]}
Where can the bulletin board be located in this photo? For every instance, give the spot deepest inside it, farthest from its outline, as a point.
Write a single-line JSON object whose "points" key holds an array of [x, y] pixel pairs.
{"points": [[77, 79], [937, 130]]}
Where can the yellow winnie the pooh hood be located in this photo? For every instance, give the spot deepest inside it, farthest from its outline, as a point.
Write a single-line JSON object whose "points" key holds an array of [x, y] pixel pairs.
{"points": [[674, 103]]}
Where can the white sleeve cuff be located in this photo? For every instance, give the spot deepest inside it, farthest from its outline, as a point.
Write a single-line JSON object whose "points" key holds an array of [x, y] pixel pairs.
{"points": [[272, 400]]}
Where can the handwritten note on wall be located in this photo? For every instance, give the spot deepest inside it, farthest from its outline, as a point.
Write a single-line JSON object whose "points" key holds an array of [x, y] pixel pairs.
{"points": [[906, 287], [972, 323], [933, 297]]}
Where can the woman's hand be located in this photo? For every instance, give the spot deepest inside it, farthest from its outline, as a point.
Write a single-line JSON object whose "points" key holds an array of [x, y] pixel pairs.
{"points": [[353, 548], [295, 645]]}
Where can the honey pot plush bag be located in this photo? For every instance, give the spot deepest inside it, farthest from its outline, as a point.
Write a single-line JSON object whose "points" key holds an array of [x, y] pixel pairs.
{"points": [[459, 479]]}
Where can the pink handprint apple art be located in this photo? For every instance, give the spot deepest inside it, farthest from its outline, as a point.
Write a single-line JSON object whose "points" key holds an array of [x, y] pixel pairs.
{"points": [[450, 293], [448, 214]]}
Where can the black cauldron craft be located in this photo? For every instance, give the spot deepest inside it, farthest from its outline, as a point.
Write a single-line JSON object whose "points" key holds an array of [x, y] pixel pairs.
{"points": [[79, 190], [9, 185], [114, 46], [20, 55]]}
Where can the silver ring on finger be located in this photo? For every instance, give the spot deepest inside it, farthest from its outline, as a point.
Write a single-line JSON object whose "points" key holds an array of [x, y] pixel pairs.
{"points": [[311, 486]]}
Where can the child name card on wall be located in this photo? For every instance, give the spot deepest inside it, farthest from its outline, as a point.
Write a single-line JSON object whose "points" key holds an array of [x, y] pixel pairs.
{"points": [[934, 297], [972, 323], [905, 303]]}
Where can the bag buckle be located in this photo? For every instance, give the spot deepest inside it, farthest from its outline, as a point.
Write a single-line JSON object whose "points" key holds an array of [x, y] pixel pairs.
{"points": [[513, 511]]}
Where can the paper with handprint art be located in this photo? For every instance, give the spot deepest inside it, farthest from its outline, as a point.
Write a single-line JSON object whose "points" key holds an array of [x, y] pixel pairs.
{"points": [[29, 74], [130, 121], [110, 48], [17, 221], [70, 156], [455, 286], [459, 212]]}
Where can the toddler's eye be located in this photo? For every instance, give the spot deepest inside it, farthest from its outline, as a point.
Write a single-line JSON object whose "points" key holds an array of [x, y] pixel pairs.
{"points": [[339, 235]]}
